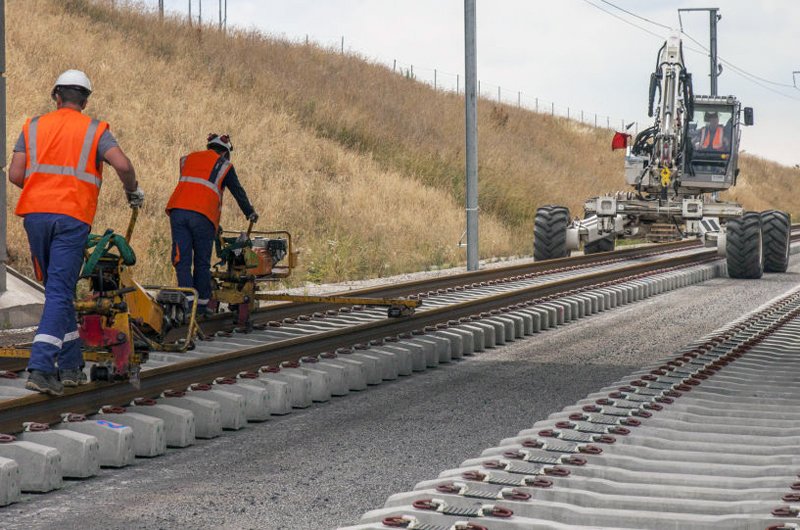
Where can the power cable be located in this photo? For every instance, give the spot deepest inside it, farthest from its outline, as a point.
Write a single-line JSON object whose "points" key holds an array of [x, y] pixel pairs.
{"points": [[631, 13], [753, 78], [601, 8]]}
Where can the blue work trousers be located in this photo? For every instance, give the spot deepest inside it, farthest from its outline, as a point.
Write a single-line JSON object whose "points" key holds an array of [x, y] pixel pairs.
{"points": [[193, 237], [57, 242]]}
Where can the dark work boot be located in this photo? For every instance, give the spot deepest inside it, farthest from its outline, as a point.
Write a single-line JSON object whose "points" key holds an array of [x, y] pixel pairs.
{"points": [[44, 383]]}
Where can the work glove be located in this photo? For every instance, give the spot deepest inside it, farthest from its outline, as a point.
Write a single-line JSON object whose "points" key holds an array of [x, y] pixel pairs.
{"points": [[135, 198], [253, 217]]}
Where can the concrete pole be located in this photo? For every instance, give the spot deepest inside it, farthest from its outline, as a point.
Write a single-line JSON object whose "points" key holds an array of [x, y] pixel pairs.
{"points": [[3, 195], [190, 12], [471, 116], [712, 13]]}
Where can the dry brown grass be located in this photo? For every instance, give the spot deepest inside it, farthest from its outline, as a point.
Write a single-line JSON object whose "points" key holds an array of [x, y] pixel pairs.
{"points": [[364, 166]]}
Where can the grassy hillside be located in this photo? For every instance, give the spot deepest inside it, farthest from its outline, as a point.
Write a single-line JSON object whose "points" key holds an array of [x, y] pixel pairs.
{"points": [[365, 167]]}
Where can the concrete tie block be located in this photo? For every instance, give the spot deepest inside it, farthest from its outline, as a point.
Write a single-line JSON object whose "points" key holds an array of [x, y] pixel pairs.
{"points": [[388, 362], [478, 336], [232, 405], [149, 436], [557, 313], [355, 371], [403, 356], [428, 346], [488, 331], [320, 380], [468, 338], [207, 413], [179, 423], [256, 397], [444, 348], [510, 326], [9, 481], [80, 453], [371, 363], [337, 378], [280, 402], [39, 465], [13, 391], [116, 440], [299, 385], [456, 342], [419, 361]]}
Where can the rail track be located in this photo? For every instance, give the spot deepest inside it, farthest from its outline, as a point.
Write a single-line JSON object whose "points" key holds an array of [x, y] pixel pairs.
{"points": [[705, 439], [300, 356]]}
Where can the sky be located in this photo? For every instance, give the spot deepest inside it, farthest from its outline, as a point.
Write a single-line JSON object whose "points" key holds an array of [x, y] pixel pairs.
{"points": [[567, 53]]}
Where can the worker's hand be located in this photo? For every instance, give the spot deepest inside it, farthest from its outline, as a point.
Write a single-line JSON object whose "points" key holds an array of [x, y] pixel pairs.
{"points": [[135, 198], [253, 217]]}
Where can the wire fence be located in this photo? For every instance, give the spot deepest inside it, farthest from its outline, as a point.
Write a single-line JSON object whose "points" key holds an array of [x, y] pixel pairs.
{"points": [[438, 79], [446, 81]]}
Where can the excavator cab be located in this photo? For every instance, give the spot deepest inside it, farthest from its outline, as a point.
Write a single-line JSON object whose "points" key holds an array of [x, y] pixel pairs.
{"points": [[712, 145]]}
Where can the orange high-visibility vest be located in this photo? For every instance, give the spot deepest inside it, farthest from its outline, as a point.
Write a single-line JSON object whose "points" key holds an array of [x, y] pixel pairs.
{"points": [[716, 143], [200, 187], [61, 167]]}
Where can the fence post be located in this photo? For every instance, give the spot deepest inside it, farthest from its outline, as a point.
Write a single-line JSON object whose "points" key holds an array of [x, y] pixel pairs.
{"points": [[434, 78], [458, 82], [595, 119], [519, 99], [306, 39], [552, 109], [581, 116], [394, 65], [479, 88], [568, 113], [498, 94], [608, 122], [342, 44], [412, 71], [623, 124], [537, 104]]}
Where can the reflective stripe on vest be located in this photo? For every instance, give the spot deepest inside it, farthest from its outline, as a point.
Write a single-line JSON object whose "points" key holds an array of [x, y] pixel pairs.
{"points": [[77, 172], [202, 173], [203, 182], [716, 143]]}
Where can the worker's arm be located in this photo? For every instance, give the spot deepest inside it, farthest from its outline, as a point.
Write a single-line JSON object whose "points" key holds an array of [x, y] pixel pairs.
{"points": [[122, 165], [16, 170], [232, 183]]}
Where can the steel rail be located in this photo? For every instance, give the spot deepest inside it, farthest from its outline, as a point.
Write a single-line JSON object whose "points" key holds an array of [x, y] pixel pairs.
{"points": [[90, 398], [283, 310]]}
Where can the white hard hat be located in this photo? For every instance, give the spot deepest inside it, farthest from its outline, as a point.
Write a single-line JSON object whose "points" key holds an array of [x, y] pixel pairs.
{"points": [[74, 78], [223, 140]]}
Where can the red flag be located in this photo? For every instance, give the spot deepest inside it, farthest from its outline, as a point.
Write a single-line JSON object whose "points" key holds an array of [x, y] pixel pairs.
{"points": [[620, 141]]}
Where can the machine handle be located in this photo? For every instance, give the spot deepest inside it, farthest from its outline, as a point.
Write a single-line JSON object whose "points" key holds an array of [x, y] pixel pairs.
{"points": [[132, 223]]}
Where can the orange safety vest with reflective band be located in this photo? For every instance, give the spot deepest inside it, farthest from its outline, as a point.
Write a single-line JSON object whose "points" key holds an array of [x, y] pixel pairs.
{"points": [[716, 143], [200, 187], [61, 167]]}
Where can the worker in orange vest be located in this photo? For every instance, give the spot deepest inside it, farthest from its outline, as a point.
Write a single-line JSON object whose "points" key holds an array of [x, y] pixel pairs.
{"points": [[58, 163], [194, 210], [712, 136]]}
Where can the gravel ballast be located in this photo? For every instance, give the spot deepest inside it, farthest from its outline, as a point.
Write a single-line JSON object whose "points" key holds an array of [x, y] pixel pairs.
{"points": [[324, 466]]}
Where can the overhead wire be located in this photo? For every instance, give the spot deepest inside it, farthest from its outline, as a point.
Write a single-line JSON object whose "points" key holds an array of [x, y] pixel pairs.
{"points": [[606, 11], [753, 78]]}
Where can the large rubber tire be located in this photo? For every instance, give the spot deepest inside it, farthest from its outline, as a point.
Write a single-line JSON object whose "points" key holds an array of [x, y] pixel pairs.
{"points": [[776, 228], [606, 244], [550, 233], [744, 247]]}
